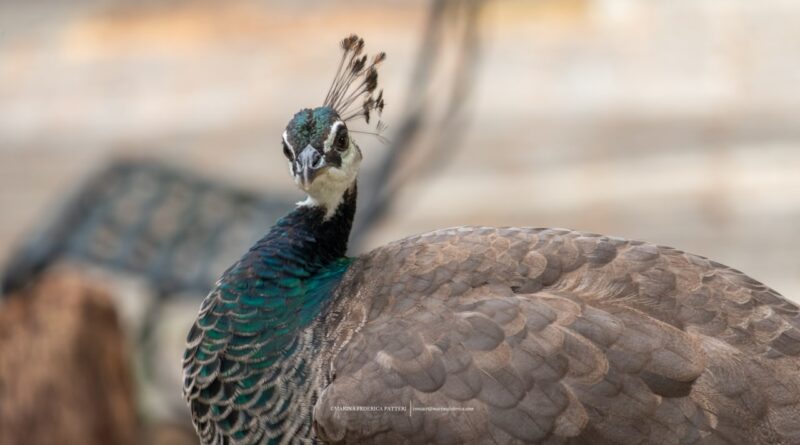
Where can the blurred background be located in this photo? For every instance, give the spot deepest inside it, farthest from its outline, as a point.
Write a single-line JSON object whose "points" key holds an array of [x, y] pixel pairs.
{"points": [[140, 155]]}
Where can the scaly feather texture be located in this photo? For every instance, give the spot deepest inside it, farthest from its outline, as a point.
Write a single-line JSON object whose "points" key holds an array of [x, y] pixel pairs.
{"points": [[544, 336], [251, 368]]}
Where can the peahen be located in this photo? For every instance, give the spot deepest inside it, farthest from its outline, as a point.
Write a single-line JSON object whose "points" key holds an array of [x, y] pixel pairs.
{"points": [[476, 334]]}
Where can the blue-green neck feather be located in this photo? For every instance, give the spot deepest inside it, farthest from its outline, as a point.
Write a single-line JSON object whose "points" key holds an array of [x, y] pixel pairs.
{"points": [[300, 255], [250, 328], [294, 267]]}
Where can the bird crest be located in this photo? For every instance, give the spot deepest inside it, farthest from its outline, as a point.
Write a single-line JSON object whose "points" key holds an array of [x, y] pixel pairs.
{"points": [[352, 92]]}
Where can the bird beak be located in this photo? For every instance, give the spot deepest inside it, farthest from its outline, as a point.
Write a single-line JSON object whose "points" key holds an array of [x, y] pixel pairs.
{"points": [[308, 165]]}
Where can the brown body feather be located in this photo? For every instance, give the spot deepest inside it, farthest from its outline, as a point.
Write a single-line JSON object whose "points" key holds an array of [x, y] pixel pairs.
{"points": [[557, 337]]}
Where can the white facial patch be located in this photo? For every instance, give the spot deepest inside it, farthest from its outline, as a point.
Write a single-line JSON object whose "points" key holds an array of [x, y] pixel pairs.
{"points": [[329, 187]]}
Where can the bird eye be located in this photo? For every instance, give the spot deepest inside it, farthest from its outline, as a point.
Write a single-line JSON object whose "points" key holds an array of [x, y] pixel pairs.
{"points": [[286, 151], [342, 141]]}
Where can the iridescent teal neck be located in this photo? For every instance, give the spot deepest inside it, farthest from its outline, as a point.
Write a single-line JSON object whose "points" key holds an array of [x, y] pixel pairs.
{"points": [[284, 265], [256, 346], [306, 234], [296, 259]]}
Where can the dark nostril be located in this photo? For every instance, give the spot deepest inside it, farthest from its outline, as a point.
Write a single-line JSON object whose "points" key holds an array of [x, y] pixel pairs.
{"points": [[318, 159]]}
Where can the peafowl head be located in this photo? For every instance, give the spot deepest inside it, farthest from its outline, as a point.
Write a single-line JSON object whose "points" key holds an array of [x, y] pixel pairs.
{"points": [[323, 158]]}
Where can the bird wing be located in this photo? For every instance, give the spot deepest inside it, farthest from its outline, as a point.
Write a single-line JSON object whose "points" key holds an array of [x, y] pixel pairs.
{"points": [[482, 335]]}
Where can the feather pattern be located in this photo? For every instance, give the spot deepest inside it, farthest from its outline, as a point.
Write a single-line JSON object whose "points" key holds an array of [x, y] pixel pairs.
{"points": [[480, 335], [558, 337], [251, 367]]}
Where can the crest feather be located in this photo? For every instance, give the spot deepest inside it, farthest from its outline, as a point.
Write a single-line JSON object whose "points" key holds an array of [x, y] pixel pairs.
{"points": [[351, 93]]}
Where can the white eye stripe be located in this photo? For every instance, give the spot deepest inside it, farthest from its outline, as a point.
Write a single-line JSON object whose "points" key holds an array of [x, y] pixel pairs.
{"points": [[286, 140], [332, 136]]}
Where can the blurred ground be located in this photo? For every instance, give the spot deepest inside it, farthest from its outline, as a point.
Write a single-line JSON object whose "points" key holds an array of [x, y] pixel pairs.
{"points": [[672, 122]]}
